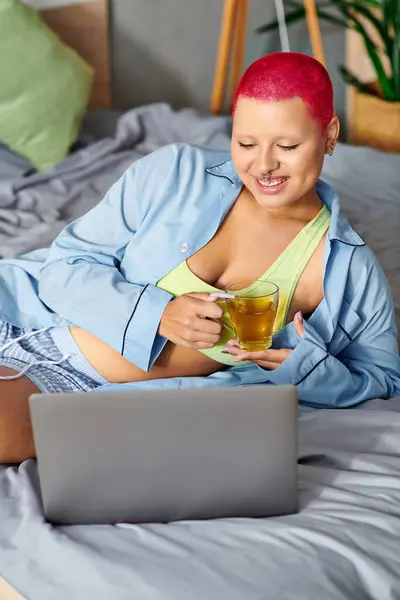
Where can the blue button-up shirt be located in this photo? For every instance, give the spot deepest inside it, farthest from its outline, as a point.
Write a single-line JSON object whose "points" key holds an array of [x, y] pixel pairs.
{"points": [[101, 274]]}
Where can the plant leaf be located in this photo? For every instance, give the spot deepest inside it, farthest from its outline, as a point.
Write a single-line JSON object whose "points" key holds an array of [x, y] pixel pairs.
{"points": [[391, 18], [300, 13], [385, 82], [353, 80], [326, 16], [396, 49], [373, 3], [292, 17], [357, 7], [391, 12], [396, 72]]}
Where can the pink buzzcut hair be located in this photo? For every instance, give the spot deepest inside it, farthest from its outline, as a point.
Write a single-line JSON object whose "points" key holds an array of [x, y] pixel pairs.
{"points": [[285, 75]]}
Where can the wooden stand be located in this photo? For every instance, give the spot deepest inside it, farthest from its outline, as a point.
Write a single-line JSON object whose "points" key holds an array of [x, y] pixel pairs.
{"points": [[314, 31], [232, 41]]}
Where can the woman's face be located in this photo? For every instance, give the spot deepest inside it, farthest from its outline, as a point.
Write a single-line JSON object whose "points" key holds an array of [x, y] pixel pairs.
{"points": [[278, 150]]}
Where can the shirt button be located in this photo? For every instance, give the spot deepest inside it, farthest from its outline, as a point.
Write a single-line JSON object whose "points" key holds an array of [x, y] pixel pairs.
{"points": [[184, 247], [57, 320]]}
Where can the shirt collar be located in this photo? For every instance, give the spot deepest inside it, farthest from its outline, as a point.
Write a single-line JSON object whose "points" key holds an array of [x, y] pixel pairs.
{"points": [[340, 229], [222, 166]]}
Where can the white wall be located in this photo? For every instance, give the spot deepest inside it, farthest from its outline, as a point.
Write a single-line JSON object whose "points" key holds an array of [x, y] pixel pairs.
{"points": [[164, 50]]}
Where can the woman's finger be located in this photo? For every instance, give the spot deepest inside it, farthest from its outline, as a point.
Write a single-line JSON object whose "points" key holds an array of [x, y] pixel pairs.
{"points": [[265, 364], [234, 350], [253, 356], [271, 366], [257, 358], [207, 326], [299, 323], [274, 356]]}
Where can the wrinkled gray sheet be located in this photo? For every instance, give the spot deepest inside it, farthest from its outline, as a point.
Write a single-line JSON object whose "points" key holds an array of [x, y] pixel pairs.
{"points": [[34, 207], [345, 542]]}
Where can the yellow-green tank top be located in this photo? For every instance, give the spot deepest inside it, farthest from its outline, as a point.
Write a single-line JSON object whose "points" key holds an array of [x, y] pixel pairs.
{"points": [[285, 273]]}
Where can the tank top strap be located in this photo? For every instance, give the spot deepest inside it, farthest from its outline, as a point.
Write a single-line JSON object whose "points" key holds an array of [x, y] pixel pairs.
{"points": [[288, 268], [300, 250]]}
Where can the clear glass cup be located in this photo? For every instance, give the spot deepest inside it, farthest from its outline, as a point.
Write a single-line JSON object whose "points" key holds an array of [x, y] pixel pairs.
{"points": [[253, 309]]}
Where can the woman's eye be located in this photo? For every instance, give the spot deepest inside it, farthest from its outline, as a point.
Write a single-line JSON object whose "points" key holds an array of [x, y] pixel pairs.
{"points": [[246, 145], [287, 148]]}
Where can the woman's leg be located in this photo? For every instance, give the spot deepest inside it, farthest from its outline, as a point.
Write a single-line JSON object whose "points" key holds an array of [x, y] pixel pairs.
{"points": [[16, 440]]}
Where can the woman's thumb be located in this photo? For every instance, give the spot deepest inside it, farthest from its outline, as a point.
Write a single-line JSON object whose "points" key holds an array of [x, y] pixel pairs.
{"points": [[299, 323]]}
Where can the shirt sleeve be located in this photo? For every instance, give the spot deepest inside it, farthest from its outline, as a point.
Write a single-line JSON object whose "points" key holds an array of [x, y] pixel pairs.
{"points": [[81, 279], [367, 368]]}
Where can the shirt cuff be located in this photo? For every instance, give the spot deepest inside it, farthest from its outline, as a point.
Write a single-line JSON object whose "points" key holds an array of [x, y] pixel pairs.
{"points": [[142, 344], [306, 356]]}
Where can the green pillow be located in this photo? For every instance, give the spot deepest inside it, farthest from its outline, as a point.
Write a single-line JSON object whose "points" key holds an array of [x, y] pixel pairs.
{"points": [[44, 87]]}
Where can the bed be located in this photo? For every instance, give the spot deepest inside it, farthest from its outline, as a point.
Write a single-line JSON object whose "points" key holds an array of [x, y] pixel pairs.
{"points": [[344, 542]]}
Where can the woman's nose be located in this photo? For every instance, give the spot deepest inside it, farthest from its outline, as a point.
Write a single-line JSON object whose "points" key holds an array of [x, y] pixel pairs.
{"points": [[267, 162]]}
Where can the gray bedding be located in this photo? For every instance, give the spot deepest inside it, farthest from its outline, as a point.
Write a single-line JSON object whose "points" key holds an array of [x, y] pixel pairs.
{"points": [[342, 545], [34, 207]]}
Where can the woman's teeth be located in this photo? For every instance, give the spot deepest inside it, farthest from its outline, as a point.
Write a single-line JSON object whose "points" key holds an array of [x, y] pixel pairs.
{"points": [[271, 182]]}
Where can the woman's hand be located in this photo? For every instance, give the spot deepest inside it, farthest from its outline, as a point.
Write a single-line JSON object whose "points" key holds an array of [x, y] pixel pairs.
{"points": [[185, 323], [267, 359]]}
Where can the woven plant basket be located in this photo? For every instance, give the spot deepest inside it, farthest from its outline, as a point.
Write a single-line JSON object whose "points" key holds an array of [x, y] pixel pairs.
{"points": [[375, 122]]}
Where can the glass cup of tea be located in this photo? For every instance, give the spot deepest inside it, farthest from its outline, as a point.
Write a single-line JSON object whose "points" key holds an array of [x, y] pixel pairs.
{"points": [[252, 306]]}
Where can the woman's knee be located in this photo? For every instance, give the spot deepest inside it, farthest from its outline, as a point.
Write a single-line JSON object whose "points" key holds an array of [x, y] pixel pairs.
{"points": [[16, 439]]}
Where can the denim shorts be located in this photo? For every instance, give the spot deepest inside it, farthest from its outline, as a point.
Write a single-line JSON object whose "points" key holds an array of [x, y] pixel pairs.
{"points": [[74, 373]]}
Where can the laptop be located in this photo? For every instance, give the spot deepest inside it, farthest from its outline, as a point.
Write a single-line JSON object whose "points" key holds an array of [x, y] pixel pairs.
{"points": [[166, 455]]}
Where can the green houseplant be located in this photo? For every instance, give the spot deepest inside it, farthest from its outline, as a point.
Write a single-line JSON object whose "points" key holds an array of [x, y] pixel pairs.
{"points": [[376, 101]]}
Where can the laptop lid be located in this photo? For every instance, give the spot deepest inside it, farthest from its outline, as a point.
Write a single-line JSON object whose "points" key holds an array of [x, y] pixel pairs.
{"points": [[166, 455]]}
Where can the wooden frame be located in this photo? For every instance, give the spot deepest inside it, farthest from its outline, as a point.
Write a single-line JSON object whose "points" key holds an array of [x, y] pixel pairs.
{"points": [[232, 38], [314, 31], [232, 41], [85, 28]]}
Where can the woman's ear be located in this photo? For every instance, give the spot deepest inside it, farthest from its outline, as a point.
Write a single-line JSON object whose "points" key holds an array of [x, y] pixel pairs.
{"points": [[331, 135]]}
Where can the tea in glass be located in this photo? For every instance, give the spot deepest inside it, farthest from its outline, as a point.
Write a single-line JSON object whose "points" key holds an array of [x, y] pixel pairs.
{"points": [[253, 310]]}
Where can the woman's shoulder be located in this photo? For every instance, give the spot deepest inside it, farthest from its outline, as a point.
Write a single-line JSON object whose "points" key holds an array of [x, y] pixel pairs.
{"points": [[365, 261], [167, 172], [171, 176], [182, 155], [367, 278]]}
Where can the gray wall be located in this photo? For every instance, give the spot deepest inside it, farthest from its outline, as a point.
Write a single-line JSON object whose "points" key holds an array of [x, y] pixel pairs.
{"points": [[164, 50]]}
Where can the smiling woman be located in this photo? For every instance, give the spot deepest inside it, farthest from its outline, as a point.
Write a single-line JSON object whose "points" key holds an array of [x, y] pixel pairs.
{"points": [[278, 151], [124, 295], [277, 146]]}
